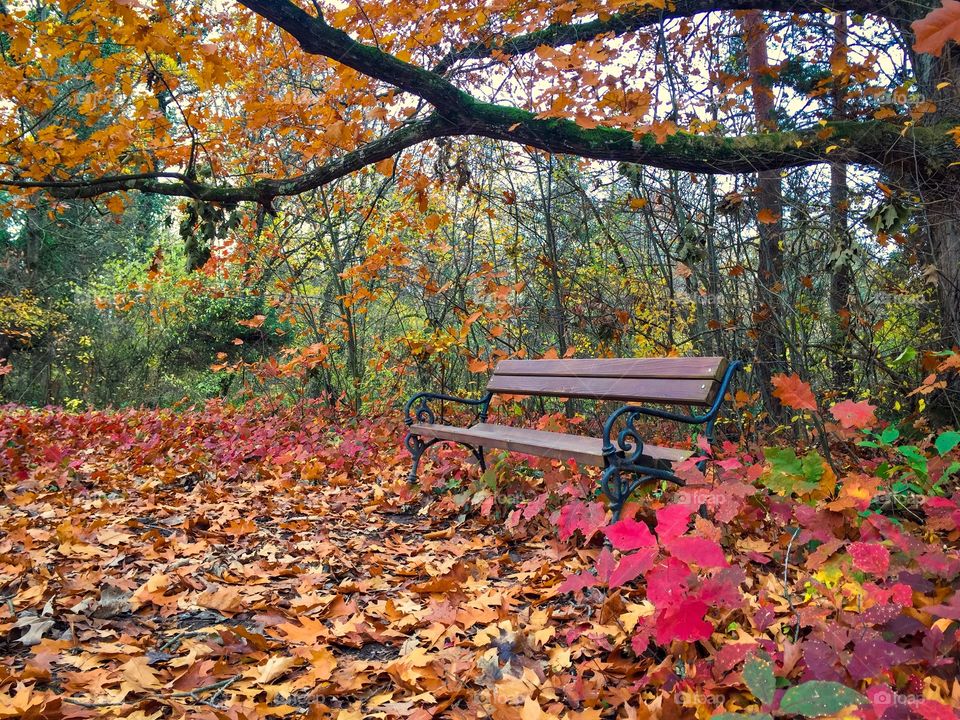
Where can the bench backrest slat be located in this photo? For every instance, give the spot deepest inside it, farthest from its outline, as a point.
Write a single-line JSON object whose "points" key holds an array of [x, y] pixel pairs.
{"points": [[683, 381]]}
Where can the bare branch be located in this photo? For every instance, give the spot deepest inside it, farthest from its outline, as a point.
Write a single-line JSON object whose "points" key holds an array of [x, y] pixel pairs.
{"points": [[618, 24]]}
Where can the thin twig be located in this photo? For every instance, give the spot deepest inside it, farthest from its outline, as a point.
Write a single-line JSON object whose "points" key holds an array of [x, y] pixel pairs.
{"points": [[786, 586], [218, 686]]}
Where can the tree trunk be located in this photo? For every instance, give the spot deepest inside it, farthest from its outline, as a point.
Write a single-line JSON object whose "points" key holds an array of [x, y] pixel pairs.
{"points": [[770, 355], [841, 278], [938, 81], [942, 206]]}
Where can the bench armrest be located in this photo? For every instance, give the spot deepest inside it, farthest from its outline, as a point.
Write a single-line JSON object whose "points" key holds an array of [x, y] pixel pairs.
{"points": [[423, 412], [628, 442]]}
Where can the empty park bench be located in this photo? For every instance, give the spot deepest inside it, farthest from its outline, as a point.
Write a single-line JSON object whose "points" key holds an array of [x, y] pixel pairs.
{"points": [[628, 462]]}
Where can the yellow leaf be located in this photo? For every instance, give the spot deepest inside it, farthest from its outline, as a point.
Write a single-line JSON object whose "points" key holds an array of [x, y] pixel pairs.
{"points": [[531, 710], [323, 663], [139, 674], [223, 598], [273, 668]]}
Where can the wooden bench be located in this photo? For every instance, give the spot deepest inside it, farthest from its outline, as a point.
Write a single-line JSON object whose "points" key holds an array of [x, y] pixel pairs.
{"points": [[628, 462]]}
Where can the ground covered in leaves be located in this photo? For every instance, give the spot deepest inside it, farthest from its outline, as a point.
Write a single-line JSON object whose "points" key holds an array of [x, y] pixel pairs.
{"points": [[247, 563]]}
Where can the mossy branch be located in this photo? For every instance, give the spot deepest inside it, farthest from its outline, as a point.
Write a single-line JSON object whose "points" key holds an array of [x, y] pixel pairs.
{"points": [[459, 114]]}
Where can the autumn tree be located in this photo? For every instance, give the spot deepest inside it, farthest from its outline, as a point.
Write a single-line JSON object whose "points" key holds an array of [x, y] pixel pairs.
{"points": [[223, 106]]}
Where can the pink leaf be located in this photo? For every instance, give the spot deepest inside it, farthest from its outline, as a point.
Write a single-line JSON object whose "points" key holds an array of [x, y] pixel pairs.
{"points": [[667, 582], [937, 28], [672, 521], [933, 710], [583, 516], [683, 621], [535, 506], [704, 444], [605, 565], [697, 550], [576, 581], [854, 414], [641, 640], [872, 558], [629, 534], [949, 609], [632, 566]]}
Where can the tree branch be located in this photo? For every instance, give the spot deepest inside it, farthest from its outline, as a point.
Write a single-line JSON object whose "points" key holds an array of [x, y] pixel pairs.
{"points": [[459, 114], [868, 142], [618, 24], [262, 191]]}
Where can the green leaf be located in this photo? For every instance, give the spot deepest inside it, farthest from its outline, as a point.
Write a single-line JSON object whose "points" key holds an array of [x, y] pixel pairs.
{"points": [[915, 459], [813, 469], [947, 474], [790, 474], [818, 698], [889, 434], [947, 441], [737, 716], [908, 355], [758, 675]]}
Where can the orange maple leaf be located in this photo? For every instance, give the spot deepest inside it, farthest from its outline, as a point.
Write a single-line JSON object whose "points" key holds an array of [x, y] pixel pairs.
{"points": [[767, 216], [793, 392], [937, 28]]}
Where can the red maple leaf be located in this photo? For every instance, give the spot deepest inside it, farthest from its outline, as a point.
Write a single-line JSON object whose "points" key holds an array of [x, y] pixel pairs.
{"points": [[683, 621], [629, 534], [583, 516], [872, 558], [668, 582], [697, 550], [632, 566], [852, 414], [576, 581], [672, 521], [793, 392]]}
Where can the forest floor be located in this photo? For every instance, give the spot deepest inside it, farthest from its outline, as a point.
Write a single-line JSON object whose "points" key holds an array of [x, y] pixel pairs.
{"points": [[217, 564]]}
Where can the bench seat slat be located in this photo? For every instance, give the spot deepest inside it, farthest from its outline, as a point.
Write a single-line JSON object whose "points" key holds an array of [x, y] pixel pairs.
{"points": [[700, 368], [585, 450], [686, 391]]}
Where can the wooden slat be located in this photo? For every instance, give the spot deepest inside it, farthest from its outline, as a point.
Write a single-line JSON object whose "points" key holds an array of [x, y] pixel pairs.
{"points": [[707, 368], [585, 450], [680, 392]]}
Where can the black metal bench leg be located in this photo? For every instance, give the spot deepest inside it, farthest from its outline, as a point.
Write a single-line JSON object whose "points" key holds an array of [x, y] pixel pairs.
{"points": [[416, 446], [615, 488], [618, 483]]}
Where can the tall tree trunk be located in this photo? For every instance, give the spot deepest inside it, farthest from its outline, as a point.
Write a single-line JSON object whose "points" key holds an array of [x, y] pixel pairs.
{"points": [[553, 258], [841, 278], [938, 81], [942, 206], [770, 354]]}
